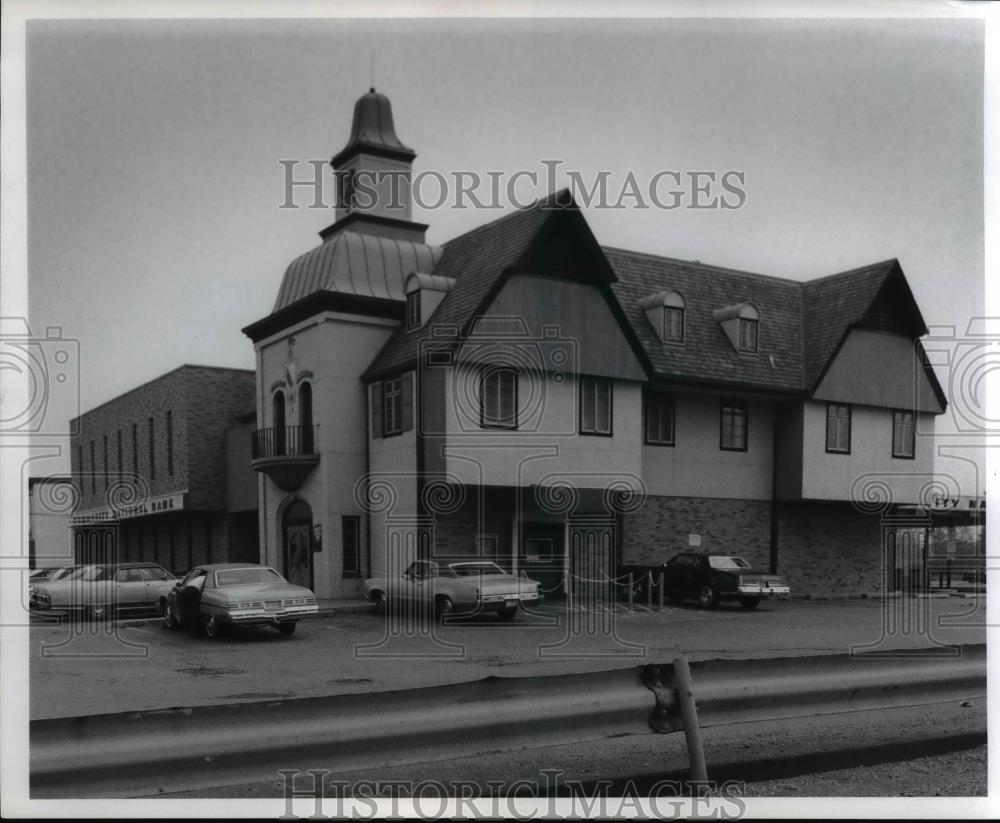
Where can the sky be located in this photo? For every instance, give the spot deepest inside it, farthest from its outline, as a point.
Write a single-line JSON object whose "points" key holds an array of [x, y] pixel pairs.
{"points": [[154, 181]]}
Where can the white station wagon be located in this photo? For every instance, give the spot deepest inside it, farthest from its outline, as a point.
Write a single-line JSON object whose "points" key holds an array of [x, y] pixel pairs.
{"points": [[466, 586]]}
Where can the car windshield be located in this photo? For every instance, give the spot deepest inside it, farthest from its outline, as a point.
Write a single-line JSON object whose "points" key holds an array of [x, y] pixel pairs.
{"points": [[474, 569], [90, 573], [728, 563], [243, 577]]}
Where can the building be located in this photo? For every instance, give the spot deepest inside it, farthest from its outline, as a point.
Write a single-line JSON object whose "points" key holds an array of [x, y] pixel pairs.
{"points": [[162, 472], [50, 502], [525, 394]]}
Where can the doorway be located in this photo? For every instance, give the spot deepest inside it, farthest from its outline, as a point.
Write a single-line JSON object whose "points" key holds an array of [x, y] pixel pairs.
{"points": [[297, 543]]}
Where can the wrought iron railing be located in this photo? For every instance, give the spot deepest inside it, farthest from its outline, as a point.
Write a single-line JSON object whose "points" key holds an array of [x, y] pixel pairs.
{"points": [[283, 440]]}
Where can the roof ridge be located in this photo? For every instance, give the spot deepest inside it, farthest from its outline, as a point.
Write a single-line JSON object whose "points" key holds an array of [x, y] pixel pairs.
{"points": [[706, 266], [520, 211], [856, 270]]}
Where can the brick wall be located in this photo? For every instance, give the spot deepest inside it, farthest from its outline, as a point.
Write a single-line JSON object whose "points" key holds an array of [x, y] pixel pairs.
{"points": [[829, 548], [661, 527], [456, 534]]}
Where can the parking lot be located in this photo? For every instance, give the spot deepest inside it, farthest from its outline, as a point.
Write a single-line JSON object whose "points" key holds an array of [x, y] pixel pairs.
{"points": [[80, 669]]}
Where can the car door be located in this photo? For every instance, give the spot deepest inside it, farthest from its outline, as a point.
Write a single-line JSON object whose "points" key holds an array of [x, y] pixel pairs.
{"points": [[158, 581], [189, 597], [129, 588], [676, 575]]}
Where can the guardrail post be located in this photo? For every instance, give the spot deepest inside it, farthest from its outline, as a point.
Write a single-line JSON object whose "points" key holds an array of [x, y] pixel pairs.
{"points": [[689, 714], [631, 593], [649, 590]]}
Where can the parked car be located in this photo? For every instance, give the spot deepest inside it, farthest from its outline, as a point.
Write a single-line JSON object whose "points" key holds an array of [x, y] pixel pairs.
{"points": [[54, 591], [214, 597], [716, 577], [111, 588], [465, 586]]}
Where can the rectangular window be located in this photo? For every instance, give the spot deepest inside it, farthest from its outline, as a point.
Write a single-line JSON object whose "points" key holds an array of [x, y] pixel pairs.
{"points": [[104, 443], [748, 335], [397, 405], [733, 435], [170, 443], [121, 469], [135, 450], [351, 528], [93, 470], [413, 310], [152, 450], [902, 434], [673, 324], [595, 406], [498, 399], [838, 428], [659, 418]]}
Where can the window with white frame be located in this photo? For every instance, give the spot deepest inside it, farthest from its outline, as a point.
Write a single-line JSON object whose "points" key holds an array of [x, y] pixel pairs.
{"points": [[673, 324], [660, 418], [748, 335], [733, 434]]}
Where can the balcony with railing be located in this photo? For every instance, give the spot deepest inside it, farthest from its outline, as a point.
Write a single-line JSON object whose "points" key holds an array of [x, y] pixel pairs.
{"points": [[286, 454]]}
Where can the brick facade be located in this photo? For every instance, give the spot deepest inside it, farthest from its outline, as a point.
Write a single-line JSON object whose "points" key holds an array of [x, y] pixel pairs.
{"points": [[173, 434]]}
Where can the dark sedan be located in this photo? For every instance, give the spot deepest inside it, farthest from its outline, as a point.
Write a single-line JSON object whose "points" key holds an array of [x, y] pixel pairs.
{"points": [[712, 578]]}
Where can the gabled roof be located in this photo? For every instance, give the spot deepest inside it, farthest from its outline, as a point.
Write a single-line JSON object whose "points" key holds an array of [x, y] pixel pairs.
{"points": [[479, 261], [706, 354], [831, 306]]}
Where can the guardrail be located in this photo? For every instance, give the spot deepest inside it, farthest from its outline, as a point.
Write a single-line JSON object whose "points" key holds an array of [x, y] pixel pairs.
{"points": [[194, 748]]}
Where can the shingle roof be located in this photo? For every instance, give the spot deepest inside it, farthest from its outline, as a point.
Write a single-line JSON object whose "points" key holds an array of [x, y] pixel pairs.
{"points": [[831, 305], [475, 261], [707, 354]]}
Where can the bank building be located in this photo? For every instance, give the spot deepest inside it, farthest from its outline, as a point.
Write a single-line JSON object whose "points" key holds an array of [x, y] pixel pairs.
{"points": [[522, 393]]}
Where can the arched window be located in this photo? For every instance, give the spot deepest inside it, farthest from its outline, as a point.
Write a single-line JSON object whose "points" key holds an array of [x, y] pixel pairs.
{"points": [[306, 417], [279, 422]]}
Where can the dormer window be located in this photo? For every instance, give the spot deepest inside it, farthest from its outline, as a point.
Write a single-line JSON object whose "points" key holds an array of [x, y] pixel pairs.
{"points": [[665, 312], [740, 323], [413, 310]]}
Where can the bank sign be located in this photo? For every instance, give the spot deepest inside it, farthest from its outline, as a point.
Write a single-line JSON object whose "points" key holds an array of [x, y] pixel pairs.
{"points": [[152, 505]]}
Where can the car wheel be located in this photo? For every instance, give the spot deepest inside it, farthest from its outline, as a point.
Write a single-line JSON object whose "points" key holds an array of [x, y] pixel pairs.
{"points": [[212, 627], [443, 606], [169, 620], [749, 602], [287, 628], [379, 602], [508, 614], [708, 597]]}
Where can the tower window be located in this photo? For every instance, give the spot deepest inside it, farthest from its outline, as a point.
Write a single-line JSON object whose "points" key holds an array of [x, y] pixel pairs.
{"points": [[413, 310]]}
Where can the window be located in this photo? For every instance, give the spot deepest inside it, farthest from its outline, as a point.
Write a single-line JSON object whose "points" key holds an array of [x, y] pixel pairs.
{"points": [[748, 335], [413, 310], [104, 444], [659, 418], [396, 406], [278, 419], [93, 470], [351, 528], [170, 443], [306, 417], [595, 406], [152, 449], [128, 576], [902, 434], [121, 465], [135, 450], [838, 429], [733, 435], [673, 324], [498, 399]]}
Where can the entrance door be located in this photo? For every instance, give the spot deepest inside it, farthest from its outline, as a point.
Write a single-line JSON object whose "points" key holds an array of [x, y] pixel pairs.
{"points": [[297, 528], [544, 557]]}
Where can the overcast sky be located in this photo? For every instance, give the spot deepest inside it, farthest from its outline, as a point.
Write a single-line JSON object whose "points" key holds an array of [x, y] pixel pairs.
{"points": [[154, 148]]}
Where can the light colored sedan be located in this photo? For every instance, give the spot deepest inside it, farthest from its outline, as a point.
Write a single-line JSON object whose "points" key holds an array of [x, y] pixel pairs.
{"points": [[464, 586], [214, 597]]}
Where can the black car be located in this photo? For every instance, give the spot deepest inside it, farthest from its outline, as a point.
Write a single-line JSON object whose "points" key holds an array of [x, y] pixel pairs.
{"points": [[712, 578]]}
